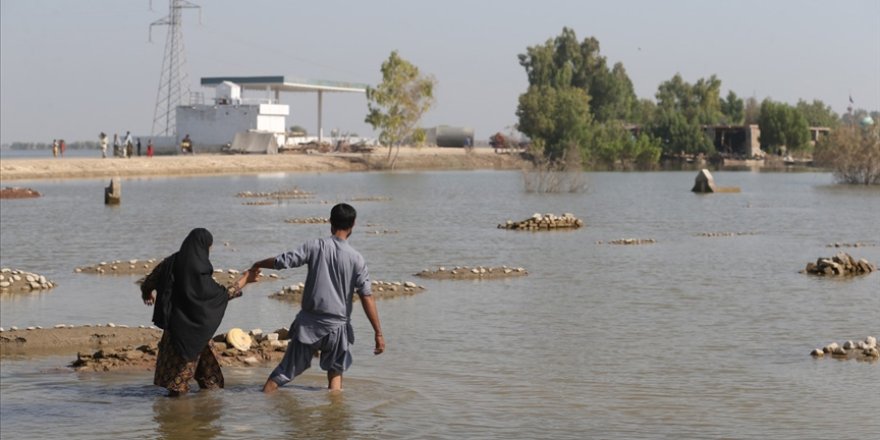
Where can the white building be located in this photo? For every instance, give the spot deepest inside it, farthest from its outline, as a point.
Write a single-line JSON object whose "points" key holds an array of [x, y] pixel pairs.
{"points": [[211, 127]]}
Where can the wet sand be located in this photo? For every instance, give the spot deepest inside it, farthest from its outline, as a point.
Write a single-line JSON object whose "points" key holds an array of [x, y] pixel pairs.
{"points": [[69, 340], [427, 158]]}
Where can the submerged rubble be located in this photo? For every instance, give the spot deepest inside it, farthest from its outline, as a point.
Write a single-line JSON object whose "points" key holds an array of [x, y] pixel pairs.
{"points": [[293, 193], [840, 264], [12, 192], [544, 222], [472, 273], [631, 241], [121, 267], [849, 245], [228, 276], [371, 199], [381, 290], [307, 220], [19, 281], [145, 267], [262, 349], [723, 234], [381, 232], [865, 350]]}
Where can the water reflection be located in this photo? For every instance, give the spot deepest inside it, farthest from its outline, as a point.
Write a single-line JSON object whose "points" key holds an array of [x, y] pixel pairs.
{"points": [[193, 416], [705, 337], [317, 411]]}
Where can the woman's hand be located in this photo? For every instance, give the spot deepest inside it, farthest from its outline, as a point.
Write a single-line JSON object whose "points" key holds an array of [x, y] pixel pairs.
{"points": [[149, 299], [251, 275]]}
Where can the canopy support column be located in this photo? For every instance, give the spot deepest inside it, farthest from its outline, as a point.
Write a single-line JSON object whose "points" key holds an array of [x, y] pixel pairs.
{"points": [[320, 116]]}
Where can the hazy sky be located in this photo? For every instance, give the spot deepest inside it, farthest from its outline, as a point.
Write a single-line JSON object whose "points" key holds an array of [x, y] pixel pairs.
{"points": [[71, 69]]}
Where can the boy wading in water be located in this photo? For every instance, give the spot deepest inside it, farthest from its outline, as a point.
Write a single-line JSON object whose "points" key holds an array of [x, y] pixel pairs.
{"points": [[323, 324]]}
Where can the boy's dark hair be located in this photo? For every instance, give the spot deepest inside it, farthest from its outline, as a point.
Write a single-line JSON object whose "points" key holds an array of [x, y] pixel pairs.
{"points": [[342, 216]]}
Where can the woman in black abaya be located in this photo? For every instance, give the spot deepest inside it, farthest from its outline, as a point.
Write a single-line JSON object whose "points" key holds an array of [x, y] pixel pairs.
{"points": [[189, 306]]}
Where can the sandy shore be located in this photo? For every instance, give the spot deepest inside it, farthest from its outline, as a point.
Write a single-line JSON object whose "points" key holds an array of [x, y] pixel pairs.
{"points": [[68, 340], [409, 159]]}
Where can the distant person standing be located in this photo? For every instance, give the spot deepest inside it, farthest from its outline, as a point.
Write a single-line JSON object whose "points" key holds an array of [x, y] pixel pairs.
{"points": [[103, 140], [150, 148], [61, 147], [115, 145], [54, 147], [129, 146], [139, 146], [186, 146]]}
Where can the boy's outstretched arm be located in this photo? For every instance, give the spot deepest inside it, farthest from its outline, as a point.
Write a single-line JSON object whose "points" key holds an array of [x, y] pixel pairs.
{"points": [[373, 315], [268, 263]]}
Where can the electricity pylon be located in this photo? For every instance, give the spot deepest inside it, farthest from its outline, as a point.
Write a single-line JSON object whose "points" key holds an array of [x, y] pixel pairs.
{"points": [[173, 85]]}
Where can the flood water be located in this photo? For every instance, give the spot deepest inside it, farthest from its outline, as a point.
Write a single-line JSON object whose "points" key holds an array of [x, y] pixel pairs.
{"points": [[690, 337]]}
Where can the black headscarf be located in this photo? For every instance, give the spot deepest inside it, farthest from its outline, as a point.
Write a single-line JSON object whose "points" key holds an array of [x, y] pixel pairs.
{"points": [[197, 301]]}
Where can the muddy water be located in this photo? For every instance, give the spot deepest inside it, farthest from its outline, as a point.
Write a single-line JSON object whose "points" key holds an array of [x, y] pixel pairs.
{"points": [[689, 337]]}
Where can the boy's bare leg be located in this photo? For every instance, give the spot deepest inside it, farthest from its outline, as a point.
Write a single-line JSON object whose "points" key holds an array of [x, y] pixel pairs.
{"points": [[270, 386], [334, 381]]}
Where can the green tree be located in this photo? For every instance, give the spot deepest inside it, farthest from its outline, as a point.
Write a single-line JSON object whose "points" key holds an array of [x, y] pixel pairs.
{"points": [[397, 104], [853, 152], [818, 114], [643, 112], [614, 146], [554, 118], [782, 126], [699, 102], [566, 77], [682, 110], [564, 62], [732, 108], [752, 111], [678, 135]]}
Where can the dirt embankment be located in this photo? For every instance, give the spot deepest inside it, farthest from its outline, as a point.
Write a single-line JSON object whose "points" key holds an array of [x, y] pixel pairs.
{"points": [[209, 164], [69, 339]]}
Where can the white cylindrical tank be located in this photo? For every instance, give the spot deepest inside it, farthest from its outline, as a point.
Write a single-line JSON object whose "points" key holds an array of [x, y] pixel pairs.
{"points": [[227, 93]]}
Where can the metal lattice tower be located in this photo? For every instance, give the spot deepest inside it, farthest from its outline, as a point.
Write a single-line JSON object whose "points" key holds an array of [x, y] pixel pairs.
{"points": [[173, 84]]}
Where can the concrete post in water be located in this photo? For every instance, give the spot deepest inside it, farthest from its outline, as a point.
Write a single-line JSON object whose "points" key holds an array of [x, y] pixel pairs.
{"points": [[704, 183], [113, 193]]}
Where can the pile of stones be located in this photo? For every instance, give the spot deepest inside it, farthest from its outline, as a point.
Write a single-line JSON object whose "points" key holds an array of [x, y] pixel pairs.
{"points": [[371, 199], [840, 264], [380, 290], [120, 267], [71, 326], [228, 276], [276, 340], [861, 350], [382, 232], [723, 234], [544, 222], [855, 245], [308, 220], [632, 241], [11, 192], [293, 193], [472, 273], [13, 280]]}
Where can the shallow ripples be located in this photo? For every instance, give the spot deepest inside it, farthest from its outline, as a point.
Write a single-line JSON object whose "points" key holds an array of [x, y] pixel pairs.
{"points": [[690, 337]]}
